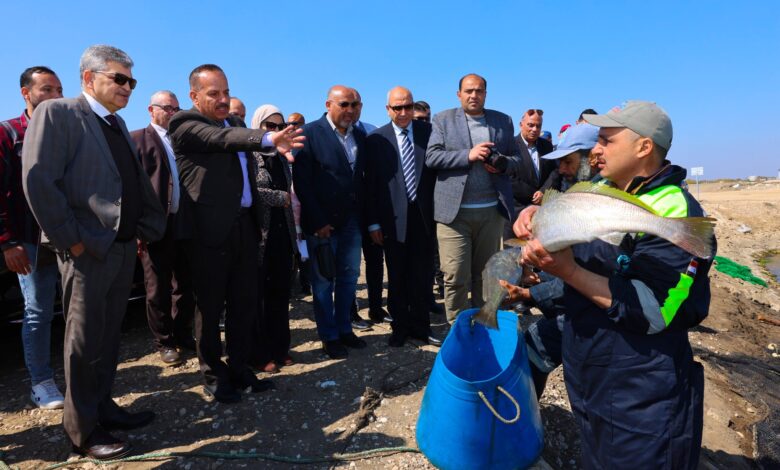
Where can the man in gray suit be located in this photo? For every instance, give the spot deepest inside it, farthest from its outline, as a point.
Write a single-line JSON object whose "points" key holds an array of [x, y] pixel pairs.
{"points": [[92, 199], [473, 151]]}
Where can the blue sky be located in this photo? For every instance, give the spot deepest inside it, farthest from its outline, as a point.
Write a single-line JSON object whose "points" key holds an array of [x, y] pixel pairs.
{"points": [[714, 66]]}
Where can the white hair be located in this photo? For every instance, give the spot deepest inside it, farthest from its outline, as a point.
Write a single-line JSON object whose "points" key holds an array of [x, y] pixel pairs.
{"points": [[96, 58]]}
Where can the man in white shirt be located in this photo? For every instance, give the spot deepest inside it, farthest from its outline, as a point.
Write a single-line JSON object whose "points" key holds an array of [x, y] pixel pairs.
{"points": [[169, 300]]}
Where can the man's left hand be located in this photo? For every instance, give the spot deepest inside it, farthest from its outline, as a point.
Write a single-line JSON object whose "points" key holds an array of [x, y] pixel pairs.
{"points": [[491, 169], [287, 140]]}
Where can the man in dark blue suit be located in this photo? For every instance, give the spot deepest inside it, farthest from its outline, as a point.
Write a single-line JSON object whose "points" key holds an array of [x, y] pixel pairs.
{"points": [[327, 175], [399, 214]]}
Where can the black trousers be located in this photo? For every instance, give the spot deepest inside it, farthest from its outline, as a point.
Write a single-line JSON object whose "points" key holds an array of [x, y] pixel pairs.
{"points": [[272, 332], [170, 304], [224, 278], [409, 267], [375, 272]]}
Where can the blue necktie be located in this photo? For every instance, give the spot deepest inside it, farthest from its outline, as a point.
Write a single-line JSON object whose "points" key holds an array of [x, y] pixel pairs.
{"points": [[407, 164]]}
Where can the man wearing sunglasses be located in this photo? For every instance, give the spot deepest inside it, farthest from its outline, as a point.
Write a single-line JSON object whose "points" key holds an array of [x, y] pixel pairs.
{"points": [[223, 220], [472, 198], [327, 174], [170, 304], [92, 198]]}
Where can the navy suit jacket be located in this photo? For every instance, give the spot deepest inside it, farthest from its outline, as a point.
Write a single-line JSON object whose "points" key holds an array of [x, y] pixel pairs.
{"points": [[325, 184], [386, 202], [526, 182]]}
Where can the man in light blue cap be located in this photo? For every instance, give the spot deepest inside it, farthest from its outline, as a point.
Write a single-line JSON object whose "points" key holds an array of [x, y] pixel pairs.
{"points": [[573, 154]]}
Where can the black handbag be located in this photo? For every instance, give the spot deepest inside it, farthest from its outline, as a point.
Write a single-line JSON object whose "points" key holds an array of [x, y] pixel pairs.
{"points": [[326, 261]]}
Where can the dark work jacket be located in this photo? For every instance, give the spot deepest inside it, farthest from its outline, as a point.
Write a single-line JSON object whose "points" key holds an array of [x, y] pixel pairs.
{"points": [[210, 172], [386, 202], [526, 183], [329, 191]]}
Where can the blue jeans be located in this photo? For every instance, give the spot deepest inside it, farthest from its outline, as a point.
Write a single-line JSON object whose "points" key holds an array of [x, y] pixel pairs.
{"points": [[333, 299], [38, 288]]}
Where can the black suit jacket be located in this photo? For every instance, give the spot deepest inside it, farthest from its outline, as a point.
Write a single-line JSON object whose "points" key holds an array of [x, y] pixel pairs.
{"points": [[329, 191], [210, 172], [386, 202], [526, 183], [154, 159]]}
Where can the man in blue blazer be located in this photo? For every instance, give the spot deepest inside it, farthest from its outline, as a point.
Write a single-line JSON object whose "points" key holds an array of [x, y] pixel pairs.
{"points": [[399, 214], [473, 152], [327, 174]]}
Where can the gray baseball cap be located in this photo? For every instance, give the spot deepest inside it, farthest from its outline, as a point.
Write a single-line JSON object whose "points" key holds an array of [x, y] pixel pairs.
{"points": [[643, 117]]}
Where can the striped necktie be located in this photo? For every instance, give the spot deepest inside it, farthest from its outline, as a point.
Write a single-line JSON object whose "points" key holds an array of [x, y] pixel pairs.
{"points": [[407, 163]]}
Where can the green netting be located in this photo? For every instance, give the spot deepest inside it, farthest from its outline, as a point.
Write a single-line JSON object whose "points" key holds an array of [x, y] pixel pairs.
{"points": [[739, 271]]}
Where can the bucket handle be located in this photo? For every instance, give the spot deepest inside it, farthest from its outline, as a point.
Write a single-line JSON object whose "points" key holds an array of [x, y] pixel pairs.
{"points": [[493, 410]]}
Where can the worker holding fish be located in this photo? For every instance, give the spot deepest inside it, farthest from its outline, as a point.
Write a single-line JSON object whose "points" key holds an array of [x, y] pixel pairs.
{"points": [[634, 388]]}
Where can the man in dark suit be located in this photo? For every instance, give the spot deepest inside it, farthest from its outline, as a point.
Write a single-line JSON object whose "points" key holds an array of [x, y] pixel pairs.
{"points": [[221, 211], [170, 304], [91, 197], [399, 215], [327, 174], [472, 198], [534, 170]]}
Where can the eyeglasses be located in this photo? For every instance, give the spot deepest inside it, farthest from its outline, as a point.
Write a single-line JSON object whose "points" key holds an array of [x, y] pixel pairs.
{"points": [[119, 78], [168, 108], [346, 104], [272, 126], [421, 118], [531, 112], [405, 107]]}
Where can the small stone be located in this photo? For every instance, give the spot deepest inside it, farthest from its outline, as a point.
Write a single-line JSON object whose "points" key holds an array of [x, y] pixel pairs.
{"points": [[305, 426], [215, 425], [183, 411]]}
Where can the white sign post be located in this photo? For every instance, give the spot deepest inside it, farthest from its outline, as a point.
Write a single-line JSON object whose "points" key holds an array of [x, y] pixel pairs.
{"points": [[697, 171]]}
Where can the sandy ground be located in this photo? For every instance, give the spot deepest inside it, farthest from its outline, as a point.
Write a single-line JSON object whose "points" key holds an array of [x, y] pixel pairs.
{"points": [[308, 416]]}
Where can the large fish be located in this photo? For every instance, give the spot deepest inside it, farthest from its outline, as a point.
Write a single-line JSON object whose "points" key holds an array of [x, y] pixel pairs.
{"points": [[588, 211], [504, 265]]}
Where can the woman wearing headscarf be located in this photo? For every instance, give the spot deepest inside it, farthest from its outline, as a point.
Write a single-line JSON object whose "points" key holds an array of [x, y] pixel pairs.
{"points": [[273, 178]]}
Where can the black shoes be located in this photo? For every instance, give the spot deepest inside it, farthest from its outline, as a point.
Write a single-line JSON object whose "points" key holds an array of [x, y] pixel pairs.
{"points": [[434, 341], [249, 382], [223, 392], [125, 420], [351, 340], [187, 343], [103, 446], [379, 315], [334, 349], [170, 356]]}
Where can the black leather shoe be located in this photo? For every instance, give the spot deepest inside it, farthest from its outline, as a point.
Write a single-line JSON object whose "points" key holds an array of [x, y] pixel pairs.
{"points": [[249, 382], [223, 392], [396, 340], [125, 420], [102, 446], [436, 309], [335, 349], [434, 341], [170, 356], [351, 340], [379, 315]]}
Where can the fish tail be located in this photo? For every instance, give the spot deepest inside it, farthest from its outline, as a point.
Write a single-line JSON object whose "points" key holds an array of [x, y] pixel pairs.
{"points": [[694, 235], [486, 317]]}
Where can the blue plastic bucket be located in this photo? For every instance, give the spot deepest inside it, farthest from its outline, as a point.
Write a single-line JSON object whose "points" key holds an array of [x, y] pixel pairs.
{"points": [[479, 409]]}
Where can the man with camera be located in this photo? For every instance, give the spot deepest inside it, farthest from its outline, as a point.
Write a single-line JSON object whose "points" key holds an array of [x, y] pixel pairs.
{"points": [[473, 152]]}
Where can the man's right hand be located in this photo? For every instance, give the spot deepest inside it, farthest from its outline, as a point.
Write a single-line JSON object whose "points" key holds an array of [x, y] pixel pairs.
{"points": [[323, 232], [480, 151], [77, 249], [376, 237], [522, 226], [16, 259]]}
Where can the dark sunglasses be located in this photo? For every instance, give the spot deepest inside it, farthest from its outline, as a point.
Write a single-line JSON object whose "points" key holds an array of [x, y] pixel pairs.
{"points": [[406, 107], [168, 108], [120, 78], [354, 104], [531, 112], [421, 118], [295, 123], [272, 126]]}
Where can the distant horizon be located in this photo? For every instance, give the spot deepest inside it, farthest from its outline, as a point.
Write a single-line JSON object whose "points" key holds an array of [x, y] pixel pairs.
{"points": [[685, 57]]}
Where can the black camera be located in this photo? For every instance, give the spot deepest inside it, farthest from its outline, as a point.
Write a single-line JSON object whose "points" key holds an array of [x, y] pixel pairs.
{"points": [[497, 160]]}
